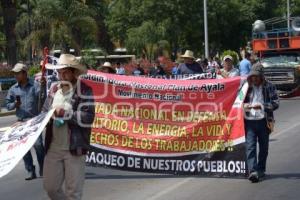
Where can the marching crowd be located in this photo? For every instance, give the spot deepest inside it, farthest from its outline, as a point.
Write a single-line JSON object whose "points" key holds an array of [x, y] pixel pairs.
{"points": [[61, 157], [187, 65]]}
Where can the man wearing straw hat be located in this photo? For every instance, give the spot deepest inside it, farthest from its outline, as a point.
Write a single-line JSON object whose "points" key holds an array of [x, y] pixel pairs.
{"points": [[189, 66], [107, 68], [68, 133]]}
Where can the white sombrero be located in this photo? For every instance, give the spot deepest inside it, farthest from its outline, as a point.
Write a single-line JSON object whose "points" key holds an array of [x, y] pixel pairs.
{"points": [[188, 54], [68, 60], [107, 64]]}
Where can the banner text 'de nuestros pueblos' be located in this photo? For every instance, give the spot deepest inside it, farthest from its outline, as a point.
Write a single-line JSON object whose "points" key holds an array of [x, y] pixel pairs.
{"points": [[167, 126]]}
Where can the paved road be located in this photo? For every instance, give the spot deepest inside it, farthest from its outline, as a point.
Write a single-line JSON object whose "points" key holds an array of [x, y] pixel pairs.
{"points": [[282, 183], [7, 121]]}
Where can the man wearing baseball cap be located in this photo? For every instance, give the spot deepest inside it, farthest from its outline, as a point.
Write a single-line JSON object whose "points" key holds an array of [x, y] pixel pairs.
{"points": [[23, 96], [228, 71]]}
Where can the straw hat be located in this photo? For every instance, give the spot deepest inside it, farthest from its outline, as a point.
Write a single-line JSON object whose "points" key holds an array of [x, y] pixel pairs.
{"points": [[68, 60], [188, 54], [107, 66], [198, 60]]}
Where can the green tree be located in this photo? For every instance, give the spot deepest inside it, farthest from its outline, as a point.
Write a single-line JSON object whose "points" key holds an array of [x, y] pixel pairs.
{"points": [[100, 8], [229, 22], [2, 38], [9, 10], [118, 20], [144, 39], [59, 24], [143, 26], [136, 22]]}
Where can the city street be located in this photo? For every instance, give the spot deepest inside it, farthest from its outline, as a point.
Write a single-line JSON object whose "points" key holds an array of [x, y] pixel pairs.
{"points": [[282, 182], [126, 73]]}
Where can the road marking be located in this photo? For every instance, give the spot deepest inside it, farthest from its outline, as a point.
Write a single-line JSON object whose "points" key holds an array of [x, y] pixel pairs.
{"points": [[169, 189]]}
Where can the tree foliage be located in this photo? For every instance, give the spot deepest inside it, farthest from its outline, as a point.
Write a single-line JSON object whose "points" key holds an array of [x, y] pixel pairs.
{"points": [[229, 22], [58, 24], [145, 27], [9, 10]]}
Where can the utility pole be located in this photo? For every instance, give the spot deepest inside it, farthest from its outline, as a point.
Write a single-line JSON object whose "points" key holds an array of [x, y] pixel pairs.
{"points": [[205, 29], [288, 14], [29, 31]]}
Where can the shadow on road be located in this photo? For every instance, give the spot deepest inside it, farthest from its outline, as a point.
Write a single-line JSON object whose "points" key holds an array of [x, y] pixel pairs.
{"points": [[289, 99], [273, 140], [132, 176], [92, 176], [292, 176]]}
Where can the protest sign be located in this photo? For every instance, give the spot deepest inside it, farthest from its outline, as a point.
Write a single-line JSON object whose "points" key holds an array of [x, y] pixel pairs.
{"points": [[193, 127], [18, 139], [168, 126]]}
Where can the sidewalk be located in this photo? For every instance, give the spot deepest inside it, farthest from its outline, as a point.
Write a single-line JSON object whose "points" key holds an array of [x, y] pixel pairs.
{"points": [[4, 112]]}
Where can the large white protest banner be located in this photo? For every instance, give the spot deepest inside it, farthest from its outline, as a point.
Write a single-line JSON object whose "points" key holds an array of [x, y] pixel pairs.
{"points": [[18, 139]]}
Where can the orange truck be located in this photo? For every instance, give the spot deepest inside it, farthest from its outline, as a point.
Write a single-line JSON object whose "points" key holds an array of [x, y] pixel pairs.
{"points": [[277, 44]]}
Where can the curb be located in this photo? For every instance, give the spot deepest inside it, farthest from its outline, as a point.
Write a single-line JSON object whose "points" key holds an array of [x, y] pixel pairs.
{"points": [[4, 114]]}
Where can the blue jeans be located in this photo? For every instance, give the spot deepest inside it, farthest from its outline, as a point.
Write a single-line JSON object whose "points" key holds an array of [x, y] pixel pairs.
{"points": [[256, 131], [40, 154]]}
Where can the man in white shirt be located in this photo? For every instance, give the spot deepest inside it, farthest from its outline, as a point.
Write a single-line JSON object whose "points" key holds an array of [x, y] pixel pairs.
{"points": [[261, 100], [68, 132]]}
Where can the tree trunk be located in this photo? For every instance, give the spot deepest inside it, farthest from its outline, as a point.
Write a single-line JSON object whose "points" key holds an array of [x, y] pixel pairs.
{"points": [[104, 39], [10, 20]]}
